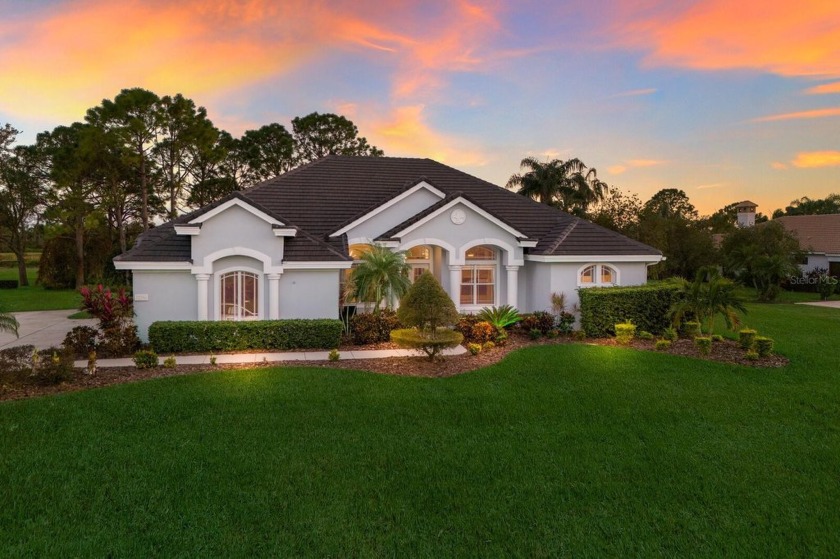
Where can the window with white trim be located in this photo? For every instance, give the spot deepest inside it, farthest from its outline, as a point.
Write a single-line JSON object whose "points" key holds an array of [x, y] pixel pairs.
{"points": [[419, 260], [598, 275], [239, 296], [478, 277]]}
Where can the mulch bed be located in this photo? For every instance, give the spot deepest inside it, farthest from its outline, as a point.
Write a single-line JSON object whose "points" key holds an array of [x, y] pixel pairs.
{"points": [[726, 352]]}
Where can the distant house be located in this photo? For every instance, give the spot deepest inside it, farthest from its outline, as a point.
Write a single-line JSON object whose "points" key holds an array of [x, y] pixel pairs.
{"points": [[819, 238], [284, 248]]}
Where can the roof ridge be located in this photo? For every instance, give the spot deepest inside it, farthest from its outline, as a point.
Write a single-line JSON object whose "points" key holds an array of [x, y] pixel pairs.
{"points": [[563, 234]]}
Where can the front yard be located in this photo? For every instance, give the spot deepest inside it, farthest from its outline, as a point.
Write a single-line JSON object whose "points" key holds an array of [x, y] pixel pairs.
{"points": [[35, 297], [558, 450]]}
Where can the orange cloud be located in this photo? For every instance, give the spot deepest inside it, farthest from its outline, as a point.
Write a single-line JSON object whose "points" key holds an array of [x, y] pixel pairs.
{"points": [[67, 57], [813, 159], [779, 36], [778, 165], [405, 132], [632, 164], [824, 89], [816, 113]]}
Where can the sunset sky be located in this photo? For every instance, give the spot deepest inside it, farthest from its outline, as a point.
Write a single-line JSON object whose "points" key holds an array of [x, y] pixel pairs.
{"points": [[726, 100]]}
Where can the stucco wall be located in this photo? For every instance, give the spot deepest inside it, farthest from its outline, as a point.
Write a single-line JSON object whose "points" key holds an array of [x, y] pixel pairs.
{"points": [[172, 296], [309, 294], [236, 227], [394, 215]]}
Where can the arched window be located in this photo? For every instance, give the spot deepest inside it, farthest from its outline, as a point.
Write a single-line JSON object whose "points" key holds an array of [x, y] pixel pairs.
{"points": [[598, 275], [419, 259], [478, 277], [239, 296]]}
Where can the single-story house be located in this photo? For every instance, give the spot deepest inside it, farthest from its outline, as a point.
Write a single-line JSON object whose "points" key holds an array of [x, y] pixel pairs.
{"points": [[284, 248], [819, 238]]}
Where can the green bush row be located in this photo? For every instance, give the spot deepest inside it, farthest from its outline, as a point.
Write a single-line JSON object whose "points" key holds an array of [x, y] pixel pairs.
{"points": [[8, 284], [645, 306], [203, 336]]}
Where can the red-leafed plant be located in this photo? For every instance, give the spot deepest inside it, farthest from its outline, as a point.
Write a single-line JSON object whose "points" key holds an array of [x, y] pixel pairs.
{"points": [[111, 309]]}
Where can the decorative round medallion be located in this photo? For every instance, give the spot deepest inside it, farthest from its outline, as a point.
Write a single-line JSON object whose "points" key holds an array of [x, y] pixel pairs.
{"points": [[458, 216]]}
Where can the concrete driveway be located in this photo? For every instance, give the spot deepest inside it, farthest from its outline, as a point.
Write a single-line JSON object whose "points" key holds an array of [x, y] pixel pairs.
{"points": [[831, 304], [43, 329]]}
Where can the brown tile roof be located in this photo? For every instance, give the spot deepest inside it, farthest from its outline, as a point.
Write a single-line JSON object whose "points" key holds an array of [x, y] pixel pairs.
{"points": [[816, 233], [320, 197]]}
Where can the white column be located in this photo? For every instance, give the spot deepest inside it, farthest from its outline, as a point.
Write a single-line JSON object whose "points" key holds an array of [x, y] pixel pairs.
{"points": [[512, 284], [273, 296], [203, 303], [455, 285]]}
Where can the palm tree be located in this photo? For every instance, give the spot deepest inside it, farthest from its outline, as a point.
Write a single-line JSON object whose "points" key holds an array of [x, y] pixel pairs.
{"points": [[708, 296], [8, 323], [569, 185], [382, 275]]}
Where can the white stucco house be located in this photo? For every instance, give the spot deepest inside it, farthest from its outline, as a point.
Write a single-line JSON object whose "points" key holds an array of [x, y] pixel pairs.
{"points": [[283, 248]]}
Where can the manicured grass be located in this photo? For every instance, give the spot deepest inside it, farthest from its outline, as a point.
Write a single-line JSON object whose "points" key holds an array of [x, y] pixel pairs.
{"points": [[35, 297], [569, 450]]}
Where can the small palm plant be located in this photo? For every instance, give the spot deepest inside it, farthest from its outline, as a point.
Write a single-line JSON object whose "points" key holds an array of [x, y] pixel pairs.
{"points": [[500, 317], [381, 276], [708, 296], [8, 323]]}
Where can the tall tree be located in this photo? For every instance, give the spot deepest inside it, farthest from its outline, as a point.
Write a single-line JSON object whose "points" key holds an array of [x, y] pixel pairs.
{"points": [[22, 179], [569, 185], [214, 171], [185, 131], [808, 206], [619, 212], [266, 153], [318, 135], [71, 198], [761, 256], [135, 116]]}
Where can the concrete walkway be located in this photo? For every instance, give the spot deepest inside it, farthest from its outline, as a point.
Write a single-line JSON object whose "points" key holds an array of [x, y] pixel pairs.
{"points": [[830, 304], [257, 358], [42, 329]]}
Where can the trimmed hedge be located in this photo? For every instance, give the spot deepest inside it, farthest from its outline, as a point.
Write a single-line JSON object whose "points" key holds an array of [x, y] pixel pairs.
{"points": [[8, 284], [646, 306], [204, 336]]}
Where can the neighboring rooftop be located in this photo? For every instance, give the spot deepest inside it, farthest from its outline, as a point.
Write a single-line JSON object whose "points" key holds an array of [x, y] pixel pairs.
{"points": [[319, 197], [816, 233]]}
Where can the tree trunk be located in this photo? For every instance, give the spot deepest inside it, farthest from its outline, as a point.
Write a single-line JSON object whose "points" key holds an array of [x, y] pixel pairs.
{"points": [[80, 253], [20, 254]]}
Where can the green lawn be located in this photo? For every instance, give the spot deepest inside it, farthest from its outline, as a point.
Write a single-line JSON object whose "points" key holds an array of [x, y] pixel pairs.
{"points": [[559, 450], [35, 297]]}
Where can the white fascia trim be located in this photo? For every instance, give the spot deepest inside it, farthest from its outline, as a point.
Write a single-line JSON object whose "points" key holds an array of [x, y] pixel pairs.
{"points": [[167, 266], [285, 232], [187, 230], [528, 244], [317, 265], [236, 202], [470, 205], [388, 204], [605, 258], [388, 244]]}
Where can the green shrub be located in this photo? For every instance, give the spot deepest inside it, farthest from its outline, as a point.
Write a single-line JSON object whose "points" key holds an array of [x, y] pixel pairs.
{"points": [[763, 346], [81, 340], [645, 335], [170, 362], [826, 286], [334, 355], [501, 338], [752, 355], [431, 343], [212, 360], [553, 333], [16, 364], [663, 345], [8, 284], [717, 338], [624, 332], [565, 322], [670, 333], [704, 344], [119, 341], [206, 336], [474, 349], [500, 317], [646, 306], [691, 329], [371, 328], [578, 335], [539, 320], [482, 332], [535, 333], [747, 338], [427, 306], [489, 345], [145, 359], [465, 324]]}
